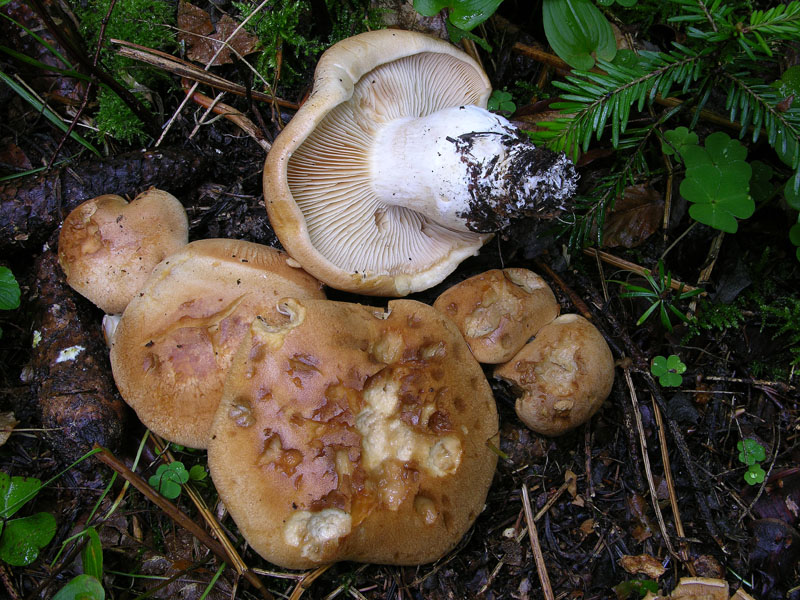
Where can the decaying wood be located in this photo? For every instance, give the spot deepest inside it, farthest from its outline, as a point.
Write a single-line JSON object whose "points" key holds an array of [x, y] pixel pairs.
{"points": [[32, 207], [72, 383]]}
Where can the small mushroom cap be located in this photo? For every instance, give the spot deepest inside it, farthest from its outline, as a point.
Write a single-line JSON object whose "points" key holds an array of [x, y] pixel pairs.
{"points": [[499, 310], [350, 433], [176, 339], [562, 376], [108, 248], [317, 176]]}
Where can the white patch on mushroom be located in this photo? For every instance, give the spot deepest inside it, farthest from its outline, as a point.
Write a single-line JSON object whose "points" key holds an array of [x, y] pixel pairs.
{"points": [[315, 532], [68, 354]]}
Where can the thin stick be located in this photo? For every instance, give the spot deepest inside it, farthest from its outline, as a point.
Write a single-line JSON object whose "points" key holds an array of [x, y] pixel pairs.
{"points": [[533, 534], [673, 497], [306, 582], [646, 461], [177, 515], [629, 266]]}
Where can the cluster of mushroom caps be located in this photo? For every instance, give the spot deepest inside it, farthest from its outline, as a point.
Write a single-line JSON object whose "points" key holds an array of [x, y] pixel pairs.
{"points": [[334, 430]]}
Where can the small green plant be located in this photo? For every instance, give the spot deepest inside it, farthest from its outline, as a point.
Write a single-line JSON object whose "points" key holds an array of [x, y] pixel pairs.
{"points": [[669, 370], [637, 587], [9, 291], [717, 181], [660, 294], [578, 32], [462, 18], [752, 454], [21, 539], [169, 478], [87, 586], [500, 101]]}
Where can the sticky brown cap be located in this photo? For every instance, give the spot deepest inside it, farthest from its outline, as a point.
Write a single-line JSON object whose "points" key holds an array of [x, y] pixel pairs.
{"points": [[562, 376], [108, 248], [498, 311], [176, 339], [350, 433]]}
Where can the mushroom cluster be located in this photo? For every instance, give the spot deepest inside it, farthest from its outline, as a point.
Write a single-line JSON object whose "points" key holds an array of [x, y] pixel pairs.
{"points": [[560, 377], [338, 431]]}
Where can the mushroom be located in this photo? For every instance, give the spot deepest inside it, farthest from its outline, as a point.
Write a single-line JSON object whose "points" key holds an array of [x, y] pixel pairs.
{"points": [[108, 247], [393, 172], [174, 342], [498, 311], [562, 376], [352, 433]]}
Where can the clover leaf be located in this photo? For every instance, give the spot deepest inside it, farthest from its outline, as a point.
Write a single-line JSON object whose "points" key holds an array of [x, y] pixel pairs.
{"points": [[754, 474], [500, 100], [15, 492], [169, 478], [750, 451], [678, 138], [464, 14], [668, 370], [9, 290], [23, 538], [81, 587], [717, 182]]}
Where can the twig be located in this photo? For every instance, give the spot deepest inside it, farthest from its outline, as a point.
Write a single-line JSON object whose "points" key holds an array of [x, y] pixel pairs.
{"points": [[673, 497], [97, 71], [646, 461], [230, 113], [7, 583], [206, 68], [541, 568], [173, 512], [629, 266], [85, 100], [306, 582], [182, 68]]}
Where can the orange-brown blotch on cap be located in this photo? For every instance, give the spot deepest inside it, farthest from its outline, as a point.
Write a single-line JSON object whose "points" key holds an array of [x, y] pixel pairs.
{"points": [[561, 377], [172, 347], [108, 247], [350, 432], [499, 310]]}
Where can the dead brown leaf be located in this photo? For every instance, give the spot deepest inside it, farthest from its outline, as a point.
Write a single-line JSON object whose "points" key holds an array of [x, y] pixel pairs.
{"points": [[636, 216], [642, 564], [203, 40], [7, 424]]}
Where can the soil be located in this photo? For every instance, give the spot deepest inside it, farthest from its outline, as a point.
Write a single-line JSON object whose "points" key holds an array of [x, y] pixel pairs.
{"points": [[654, 475]]}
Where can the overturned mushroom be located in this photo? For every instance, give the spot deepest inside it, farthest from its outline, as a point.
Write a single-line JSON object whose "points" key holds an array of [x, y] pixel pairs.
{"points": [[393, 172], [175, 340], [352, 433], [108, 247], [562, 376], [499, 310]]}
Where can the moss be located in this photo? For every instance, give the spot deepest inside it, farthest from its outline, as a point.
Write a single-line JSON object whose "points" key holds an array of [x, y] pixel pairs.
{"points": [[144, 22]]}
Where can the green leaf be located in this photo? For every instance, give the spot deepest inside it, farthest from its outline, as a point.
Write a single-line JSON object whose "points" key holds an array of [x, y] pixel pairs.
{"points": [[23, 538], [578, 32], [678, 138], [761, 188], [82, 587], [9, 290], [675, 365], [15, 492], [791, 194], [169, 478], [789, 83], [750, 451], [754, 475], [92, 554], [198, 473], [794, 234], [464, 14], [659, 365], [670, 380]]}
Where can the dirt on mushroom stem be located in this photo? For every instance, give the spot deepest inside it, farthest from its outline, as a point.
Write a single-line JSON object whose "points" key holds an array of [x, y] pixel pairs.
{"points": [[500, 189]]}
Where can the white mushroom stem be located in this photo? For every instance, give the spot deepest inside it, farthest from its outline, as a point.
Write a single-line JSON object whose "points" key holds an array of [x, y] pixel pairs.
{"points": [[468, 169]]}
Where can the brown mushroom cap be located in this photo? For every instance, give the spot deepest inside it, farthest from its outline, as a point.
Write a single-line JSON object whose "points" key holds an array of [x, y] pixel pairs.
{"points": [[108, 248], [318, 175], [176, 339], [499, 310], [562, 376], [350, 433]]}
